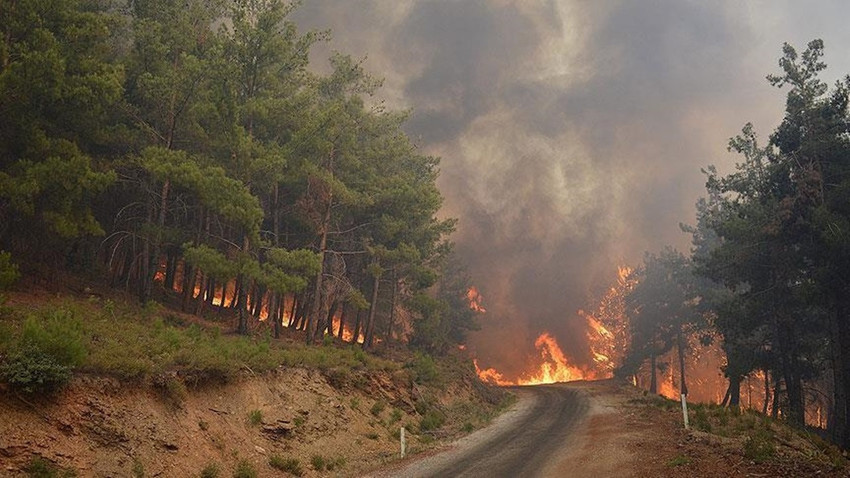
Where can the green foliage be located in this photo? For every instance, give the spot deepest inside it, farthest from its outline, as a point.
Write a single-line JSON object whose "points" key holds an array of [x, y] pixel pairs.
{"points": [[9, 273], [31, 371], [759, 446], [138, 469], [39, 467], [289, 465], [378, 408], [678, 460], [172, 389], [432, 420], [424, 368], [255, 417], [212, 470], [244, 469], [45, 353], [335, 463], [318, 462], [395, 416]]}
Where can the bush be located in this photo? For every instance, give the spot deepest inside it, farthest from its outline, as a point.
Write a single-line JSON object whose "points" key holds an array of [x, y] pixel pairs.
{"points": [[432, 421], [45, 354], [210, 471], [172, 389], [38, 467], [255, 417], [334, 464], [244, 469], [31, 371], [289, 465], [378, 407], [759, 447], [8, 271], [424, 368], [318, 462]]}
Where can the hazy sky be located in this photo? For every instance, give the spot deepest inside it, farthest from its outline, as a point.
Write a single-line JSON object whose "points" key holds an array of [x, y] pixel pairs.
{"points": [[572, 133]]}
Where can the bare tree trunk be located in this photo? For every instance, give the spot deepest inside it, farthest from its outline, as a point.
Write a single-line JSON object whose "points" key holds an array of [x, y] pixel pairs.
{"points": [[766, 392], [389, 334], [373, 308], [683, 386], [653, 379], [346, 309], [313, 317], [357, 324]]}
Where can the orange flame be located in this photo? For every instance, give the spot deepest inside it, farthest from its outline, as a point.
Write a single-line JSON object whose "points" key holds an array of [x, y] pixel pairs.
{"points": [[475, 300], [607, 331], [554, 367]]}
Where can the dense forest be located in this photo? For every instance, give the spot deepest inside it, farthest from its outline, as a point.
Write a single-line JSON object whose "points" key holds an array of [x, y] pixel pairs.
{"points": [[188, 153], [769, 271]]}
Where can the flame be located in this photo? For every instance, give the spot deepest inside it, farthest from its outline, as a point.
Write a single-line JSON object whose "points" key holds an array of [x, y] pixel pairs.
{"points": [[554, 367], [607, 335], [475, 300]]}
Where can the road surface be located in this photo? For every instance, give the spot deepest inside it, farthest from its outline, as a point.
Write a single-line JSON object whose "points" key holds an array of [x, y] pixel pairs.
{"points": [[521, 442]]}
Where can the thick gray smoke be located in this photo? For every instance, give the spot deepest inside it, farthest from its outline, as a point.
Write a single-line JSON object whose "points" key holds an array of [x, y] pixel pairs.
{"points": [[571, 133]]}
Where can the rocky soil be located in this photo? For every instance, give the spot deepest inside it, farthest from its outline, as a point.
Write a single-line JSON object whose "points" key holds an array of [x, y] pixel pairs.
{"points": [[99, 427]]}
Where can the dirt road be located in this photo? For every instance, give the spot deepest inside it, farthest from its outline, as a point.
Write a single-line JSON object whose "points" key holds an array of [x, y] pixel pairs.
{"points": [[532, 439]]}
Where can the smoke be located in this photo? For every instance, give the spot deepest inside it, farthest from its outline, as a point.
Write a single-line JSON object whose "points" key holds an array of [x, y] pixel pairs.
{"points": [[571, 133]]}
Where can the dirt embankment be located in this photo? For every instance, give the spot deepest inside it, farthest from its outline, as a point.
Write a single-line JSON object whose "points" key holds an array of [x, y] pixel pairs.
{"points": [[99, 427], [629, 433]]}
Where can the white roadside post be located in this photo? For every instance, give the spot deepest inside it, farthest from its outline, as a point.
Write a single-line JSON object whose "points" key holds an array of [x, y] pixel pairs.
{"points": [[403, 443], [685, 409]]}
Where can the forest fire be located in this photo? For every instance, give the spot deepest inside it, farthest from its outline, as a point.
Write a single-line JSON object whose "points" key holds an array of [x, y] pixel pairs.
{"points": [[605, 333], [554, 367]]}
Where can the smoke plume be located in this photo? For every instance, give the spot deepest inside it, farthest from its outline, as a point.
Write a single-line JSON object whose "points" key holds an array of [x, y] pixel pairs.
{"points": [[571, 133]]}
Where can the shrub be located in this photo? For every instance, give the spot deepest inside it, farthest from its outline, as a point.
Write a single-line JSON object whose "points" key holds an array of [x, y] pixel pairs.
{"points": [[378, 407], [138, 469], [173, 390], [395, 416], [29, 370], [255, 417], [759, 447], [424, 368], [700, 419], [289, 465], [678, 460], [210, 471], [331, 465], [9, 273], [318, 462], [244, 469], [432, 420], [39, 467]]}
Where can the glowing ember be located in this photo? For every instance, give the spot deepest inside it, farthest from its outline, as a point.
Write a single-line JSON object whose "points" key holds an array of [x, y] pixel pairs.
{"points": [[475, 300]]}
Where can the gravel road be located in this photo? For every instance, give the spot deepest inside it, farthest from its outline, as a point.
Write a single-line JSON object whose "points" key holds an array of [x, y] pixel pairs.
{"points": [[521, 442]]}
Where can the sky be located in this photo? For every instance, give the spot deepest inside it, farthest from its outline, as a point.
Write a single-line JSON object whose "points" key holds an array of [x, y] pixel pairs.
{"points": [[572, 133]]}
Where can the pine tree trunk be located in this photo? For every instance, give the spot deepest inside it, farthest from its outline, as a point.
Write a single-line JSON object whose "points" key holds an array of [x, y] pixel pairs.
{"points": [[357, 323], [840, 348], [389, 334], [370, 321], [683, 386], [766, 392], [653, 379], [735, 392], [346, 309]]}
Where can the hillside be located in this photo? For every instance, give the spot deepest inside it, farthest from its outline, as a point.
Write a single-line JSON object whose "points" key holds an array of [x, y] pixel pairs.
{"points": [[157, 393]]}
